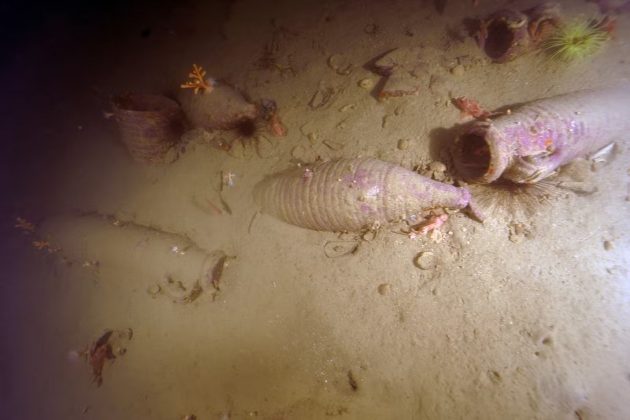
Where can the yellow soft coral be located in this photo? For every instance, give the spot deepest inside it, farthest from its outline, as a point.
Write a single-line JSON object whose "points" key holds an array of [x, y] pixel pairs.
{"points": [[197, 80]]}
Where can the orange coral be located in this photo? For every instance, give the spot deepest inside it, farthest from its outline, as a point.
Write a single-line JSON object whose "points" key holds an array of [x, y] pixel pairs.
{"points": [[197, 80]]}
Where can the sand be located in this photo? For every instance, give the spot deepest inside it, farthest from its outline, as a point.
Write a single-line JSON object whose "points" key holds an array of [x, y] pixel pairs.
{"points": [[520, 323]]}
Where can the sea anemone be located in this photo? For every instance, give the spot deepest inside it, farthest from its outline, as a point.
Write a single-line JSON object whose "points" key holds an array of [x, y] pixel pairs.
{"points": [[575, 40]]}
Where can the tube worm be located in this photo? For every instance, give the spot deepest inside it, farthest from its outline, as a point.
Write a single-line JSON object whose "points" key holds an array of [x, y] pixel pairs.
{"points": [[353, 194], [531, 142]]}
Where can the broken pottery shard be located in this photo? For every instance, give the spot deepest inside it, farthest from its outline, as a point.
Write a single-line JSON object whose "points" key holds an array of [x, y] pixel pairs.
{"points": [[223, 108], [405, 71], [323, 97], [398, 59], [341, 64], [400, 84]]}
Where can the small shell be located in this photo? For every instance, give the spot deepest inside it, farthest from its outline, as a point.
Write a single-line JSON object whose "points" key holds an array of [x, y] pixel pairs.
{"points": [[366, 83], [437, 166], [154, 290], [403, 144], [383, 289], [425, 260], [335, 249], [340, 64]]}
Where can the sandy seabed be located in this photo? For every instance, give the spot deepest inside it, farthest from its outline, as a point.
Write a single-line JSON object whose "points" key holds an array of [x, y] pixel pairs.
{"points": [[533, 325]]}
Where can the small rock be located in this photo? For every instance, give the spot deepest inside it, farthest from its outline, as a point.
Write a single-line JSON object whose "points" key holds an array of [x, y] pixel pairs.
{"points": [[466, 61], [603, 156], [304, 153], [154, 290], [240, 151], [340, 64], [348, 107], [403, 144], [383, 289], [366, 83], [578, 187], [332, 145], [438, 85], [518, 232], [578, 170], [425, 260], [437, 166], [608, 245], [265, 147], [458, 70], [439, 176]]}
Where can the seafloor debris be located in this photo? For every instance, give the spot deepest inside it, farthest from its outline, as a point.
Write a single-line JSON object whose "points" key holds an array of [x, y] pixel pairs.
{"points": [[178, 292], [198, 81], [90, 238], [352, 381], [437, 171], [400, 84], [341, 64], [404, 70], [366, 83], [182, 293], [107, 347], [576, 176], [383, 289], [24, 225], [276, 128], [42, 245], [228, 179], [214, 276], [335, 249], [458, 70], [425, 260], [603, 156], [403, 144], [518, 232], [433, 223], [323, 97], [470, 107], [269, 113]]}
